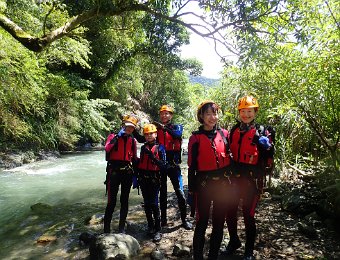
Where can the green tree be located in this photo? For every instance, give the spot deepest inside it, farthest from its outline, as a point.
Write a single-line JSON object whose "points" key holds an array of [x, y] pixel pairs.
{"points": [[295, 75]]}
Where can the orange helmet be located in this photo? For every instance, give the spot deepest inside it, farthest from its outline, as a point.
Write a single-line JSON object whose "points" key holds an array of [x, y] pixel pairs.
{"points": [[149, 128], [129, 120], [166, 108], [199, 108], [203, 103], [247, 102]]}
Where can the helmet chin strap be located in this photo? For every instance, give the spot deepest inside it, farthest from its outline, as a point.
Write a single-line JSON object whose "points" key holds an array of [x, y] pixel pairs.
{"points": [[245, 127]]}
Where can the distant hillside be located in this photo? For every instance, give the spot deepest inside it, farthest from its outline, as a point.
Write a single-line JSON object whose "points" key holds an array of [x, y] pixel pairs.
{"points": [[203, 81]]}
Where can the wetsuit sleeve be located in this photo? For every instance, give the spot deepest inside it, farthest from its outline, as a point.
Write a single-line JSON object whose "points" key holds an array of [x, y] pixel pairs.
{"points": [[110, 142], [140, 138], [175, 131], [162, 153], [161, 163], [192, 162]]}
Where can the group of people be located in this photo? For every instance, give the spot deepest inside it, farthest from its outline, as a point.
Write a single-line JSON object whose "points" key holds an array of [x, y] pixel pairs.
{"points": [[225, 169], [160, 159]]}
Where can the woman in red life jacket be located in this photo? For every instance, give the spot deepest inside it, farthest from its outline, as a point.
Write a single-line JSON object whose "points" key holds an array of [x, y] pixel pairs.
{"points": [[208, 178], [252, 151], [170, 136], [121, 154], [152, 159]]}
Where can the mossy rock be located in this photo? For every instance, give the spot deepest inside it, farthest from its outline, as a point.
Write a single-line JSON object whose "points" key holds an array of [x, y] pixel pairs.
{"points": [[41, 208]]}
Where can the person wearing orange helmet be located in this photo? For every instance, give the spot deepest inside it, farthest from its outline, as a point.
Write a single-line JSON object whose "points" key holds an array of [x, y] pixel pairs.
{"points": [[252, 148], [152, 160], [121, 154], [170, 136], [209, 178]]}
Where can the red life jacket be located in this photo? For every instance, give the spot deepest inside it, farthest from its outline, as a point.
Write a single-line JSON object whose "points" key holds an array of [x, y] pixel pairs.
{"points": [[243, 147], [123, 150], [211, 155], [145, 162], [170, 143]]}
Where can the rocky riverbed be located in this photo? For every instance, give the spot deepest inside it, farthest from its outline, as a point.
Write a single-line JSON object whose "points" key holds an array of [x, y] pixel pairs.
{"points": [[281, 235]]}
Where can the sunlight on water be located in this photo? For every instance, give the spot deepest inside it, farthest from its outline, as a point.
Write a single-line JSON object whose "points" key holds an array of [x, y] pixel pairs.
{"points": [[61, 183], [72, 185]]}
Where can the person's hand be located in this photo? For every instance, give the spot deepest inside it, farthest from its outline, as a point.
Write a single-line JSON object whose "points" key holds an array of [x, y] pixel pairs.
{"points": [[121, 132], [264, 142]]}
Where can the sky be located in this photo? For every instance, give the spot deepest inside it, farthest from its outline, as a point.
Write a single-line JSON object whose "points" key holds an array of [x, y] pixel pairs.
{"points": [[200, 48], [203, 50]]}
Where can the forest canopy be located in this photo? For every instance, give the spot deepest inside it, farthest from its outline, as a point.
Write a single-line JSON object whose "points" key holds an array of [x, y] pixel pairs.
{"points": [[70, 69]]}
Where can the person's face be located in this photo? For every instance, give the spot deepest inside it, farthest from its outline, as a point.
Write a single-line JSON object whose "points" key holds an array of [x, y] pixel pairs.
{"points": [[129, 129], [247, 115], [150, 137], [165, 117], [209, 118]]}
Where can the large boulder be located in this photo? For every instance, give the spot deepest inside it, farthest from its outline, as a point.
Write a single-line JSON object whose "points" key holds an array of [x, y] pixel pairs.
{"points": [[114, 246]]}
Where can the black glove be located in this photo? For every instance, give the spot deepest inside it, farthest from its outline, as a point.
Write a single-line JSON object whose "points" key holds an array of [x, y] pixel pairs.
{"points": [[158, 124]]}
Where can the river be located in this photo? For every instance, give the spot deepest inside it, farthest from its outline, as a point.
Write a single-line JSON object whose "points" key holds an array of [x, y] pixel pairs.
{"points": [[72, 185]]}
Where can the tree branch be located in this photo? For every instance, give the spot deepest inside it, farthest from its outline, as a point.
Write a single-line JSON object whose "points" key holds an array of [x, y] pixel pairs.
{"points": [[334, 18], [37, 44]]}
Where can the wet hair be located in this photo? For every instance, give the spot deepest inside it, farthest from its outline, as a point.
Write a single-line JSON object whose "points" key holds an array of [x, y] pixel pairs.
{"points": [[204, 108]]}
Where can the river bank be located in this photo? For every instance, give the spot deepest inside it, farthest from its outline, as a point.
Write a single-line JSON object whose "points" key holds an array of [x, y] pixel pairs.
{"points": [[12, 159]]}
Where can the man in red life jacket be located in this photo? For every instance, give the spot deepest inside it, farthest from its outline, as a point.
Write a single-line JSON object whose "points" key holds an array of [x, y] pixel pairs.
{"points": [[170, 136], [209, 178], [152, 160], [121, 154], [252, 151]]}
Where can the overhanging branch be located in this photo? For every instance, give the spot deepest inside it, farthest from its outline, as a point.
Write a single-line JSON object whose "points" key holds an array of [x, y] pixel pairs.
{"points": [[37, 44]]}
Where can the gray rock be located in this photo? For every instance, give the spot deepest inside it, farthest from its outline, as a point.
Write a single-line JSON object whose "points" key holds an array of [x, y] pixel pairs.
{"points": [[181, 250], [86, 238], [156, 254], [41, 208], [313, 219], [307, 230], [297, 203], [114, 246]]}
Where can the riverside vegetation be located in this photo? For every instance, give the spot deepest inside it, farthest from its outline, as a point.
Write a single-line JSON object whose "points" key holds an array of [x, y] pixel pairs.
{"points": [[71, 69]]}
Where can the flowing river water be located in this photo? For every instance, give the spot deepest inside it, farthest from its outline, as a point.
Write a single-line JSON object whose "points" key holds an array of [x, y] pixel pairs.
{"points": [[72, 185]]}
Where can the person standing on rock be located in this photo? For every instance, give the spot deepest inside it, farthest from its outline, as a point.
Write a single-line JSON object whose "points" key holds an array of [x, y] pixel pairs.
{"points": [[121, 155], [252, 150], [170, 136], [152, 160], [209, 178]]}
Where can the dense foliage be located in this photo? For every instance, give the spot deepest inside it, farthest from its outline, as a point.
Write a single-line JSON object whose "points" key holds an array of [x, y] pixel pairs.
{"points": [[94, 60], [79, 87]]}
